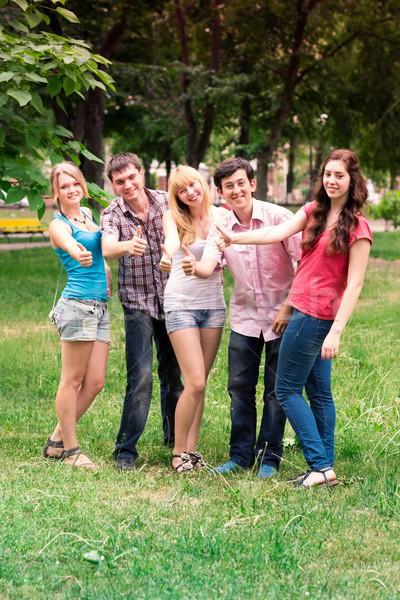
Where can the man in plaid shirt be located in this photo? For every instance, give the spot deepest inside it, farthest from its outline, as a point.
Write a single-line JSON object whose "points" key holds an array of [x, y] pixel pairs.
{"points": [[133, 233]]}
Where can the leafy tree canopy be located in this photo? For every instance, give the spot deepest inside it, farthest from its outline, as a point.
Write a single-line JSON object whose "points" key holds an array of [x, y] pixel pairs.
{"points": [[35, 68]]}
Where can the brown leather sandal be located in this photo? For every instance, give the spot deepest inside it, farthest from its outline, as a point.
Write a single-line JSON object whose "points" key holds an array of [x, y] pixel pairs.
{"points": [[197, 459], [53, 444], [185, 465], [76, 453]]}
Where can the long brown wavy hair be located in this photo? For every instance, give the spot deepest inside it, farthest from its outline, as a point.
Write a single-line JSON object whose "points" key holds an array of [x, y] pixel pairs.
{"points": [[348, 218], [185, 223]]}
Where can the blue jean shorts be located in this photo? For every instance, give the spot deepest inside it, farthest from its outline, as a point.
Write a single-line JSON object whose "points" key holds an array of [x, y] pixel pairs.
{"points": [[78, 322], [210, 318]]}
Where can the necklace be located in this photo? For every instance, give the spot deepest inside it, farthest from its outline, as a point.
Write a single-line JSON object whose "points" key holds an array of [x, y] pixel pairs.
{"points": [[202, 224], [73, 218]]}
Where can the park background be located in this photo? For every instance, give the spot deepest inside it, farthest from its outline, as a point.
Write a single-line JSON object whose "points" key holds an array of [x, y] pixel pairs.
{"points": [[280, 83]]}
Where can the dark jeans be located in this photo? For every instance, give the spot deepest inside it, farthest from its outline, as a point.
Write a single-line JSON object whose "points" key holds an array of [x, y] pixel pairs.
{"points": [[244, 363], [301, 366], [140, 329]]}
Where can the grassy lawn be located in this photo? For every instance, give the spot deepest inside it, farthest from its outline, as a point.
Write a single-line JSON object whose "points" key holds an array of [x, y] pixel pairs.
{"points": [[152, 534]]}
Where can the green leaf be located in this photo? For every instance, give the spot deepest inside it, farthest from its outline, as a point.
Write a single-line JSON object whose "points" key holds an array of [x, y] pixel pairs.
{"points": [[31, 140], [15, 194], [54, 86], [60, 130], [46, 18], [73, 157], [22, 161], [40, 211], [33, 17], [18, 25], [91, 156], [105, 77], [21, 96], [68, 15], [68, 86], [38, 178], [7, 75], [2, 136], [61, 105], [22, 4], [75, 146], [37, 103], [35, 77], [35, 199], [55, 158], [3, 99]]}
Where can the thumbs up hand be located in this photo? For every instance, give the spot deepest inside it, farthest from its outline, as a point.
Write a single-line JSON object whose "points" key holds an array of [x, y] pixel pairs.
{"points": [[84, 256], [138, 245], [224, 239], [165, 262], [189, 262]]}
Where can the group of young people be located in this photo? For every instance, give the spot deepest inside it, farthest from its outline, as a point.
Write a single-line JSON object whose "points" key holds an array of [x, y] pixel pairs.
{"points": [[172, 249]]}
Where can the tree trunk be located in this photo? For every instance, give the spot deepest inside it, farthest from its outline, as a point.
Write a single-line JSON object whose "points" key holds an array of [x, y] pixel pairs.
{"points": [[262, 176], [290, 173], [87, 123], [244, 138], [304, 9], [147, 175], [196, 148]]}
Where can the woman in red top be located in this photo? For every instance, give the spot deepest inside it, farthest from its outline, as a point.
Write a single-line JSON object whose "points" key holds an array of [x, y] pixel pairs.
{"points": [[336, 244]]}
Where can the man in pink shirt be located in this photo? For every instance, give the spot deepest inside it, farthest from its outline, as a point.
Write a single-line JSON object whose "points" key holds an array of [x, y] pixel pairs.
{"points": [[258, 315]]}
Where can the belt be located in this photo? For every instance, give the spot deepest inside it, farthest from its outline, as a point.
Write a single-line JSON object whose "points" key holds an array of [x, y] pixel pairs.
{"points": [[89, 302]]}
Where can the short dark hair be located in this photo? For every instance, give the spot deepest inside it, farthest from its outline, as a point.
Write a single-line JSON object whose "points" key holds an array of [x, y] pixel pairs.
{"points": [[122, 161], [229, 166]]}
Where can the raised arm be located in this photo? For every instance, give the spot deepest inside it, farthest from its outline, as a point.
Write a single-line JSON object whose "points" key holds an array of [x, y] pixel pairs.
{"points": [[358, 260], [113, 248], [266, 235], [61, 237]]}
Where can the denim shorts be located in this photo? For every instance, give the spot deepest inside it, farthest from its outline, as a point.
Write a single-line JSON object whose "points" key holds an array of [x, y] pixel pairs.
{"points": [[78, 322], [210, 318]]}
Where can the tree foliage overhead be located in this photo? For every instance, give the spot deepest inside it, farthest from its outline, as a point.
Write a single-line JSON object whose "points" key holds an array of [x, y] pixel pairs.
{"points": [[201, 80], [34, 69]]}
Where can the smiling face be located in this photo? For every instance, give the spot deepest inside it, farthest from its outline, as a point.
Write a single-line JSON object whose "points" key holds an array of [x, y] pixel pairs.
{"points": [[191, 194], [237, 190], [129, 183], [70, 191], [336, 180]]}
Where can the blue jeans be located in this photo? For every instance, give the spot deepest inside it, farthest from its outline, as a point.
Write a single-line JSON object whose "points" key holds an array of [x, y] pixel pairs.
{"points": [[140, 329], [301, 366], [244, 364]]}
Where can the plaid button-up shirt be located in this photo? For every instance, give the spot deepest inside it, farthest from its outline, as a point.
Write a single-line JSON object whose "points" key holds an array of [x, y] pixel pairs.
{"points": [[140, 281]]}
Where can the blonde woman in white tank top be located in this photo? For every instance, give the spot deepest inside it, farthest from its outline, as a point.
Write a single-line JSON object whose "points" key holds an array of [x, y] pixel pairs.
{"points": [[194, 308]]}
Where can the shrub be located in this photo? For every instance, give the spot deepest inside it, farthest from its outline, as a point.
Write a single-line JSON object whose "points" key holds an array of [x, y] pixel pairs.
{"points": [[389, 208]]}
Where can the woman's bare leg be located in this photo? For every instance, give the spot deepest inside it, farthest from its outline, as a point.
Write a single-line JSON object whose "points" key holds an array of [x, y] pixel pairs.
{"points": [[82, 377], [210, 340]]}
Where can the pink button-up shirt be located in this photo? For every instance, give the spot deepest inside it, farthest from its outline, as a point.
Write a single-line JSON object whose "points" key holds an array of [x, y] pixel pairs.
{"points": [[262, 275]]}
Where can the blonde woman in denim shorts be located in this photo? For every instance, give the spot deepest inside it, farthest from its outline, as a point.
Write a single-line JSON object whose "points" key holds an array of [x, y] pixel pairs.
{"points": [[81, 315], [194, 308]]}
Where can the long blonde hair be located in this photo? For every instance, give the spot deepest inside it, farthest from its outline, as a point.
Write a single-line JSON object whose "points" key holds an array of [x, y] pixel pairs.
{"points": [[185, 223], [69, 168]]}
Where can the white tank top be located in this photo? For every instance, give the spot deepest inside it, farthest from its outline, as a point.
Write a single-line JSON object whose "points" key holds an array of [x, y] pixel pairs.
{"points": [[184, 292]]}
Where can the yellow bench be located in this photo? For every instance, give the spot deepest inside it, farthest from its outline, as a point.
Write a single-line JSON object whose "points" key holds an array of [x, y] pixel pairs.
{"points": [[32, 226]]}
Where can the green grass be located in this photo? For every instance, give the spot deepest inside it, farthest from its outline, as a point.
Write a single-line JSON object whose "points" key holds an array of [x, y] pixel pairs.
{"points": [[69, 534], [386, 245]]}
